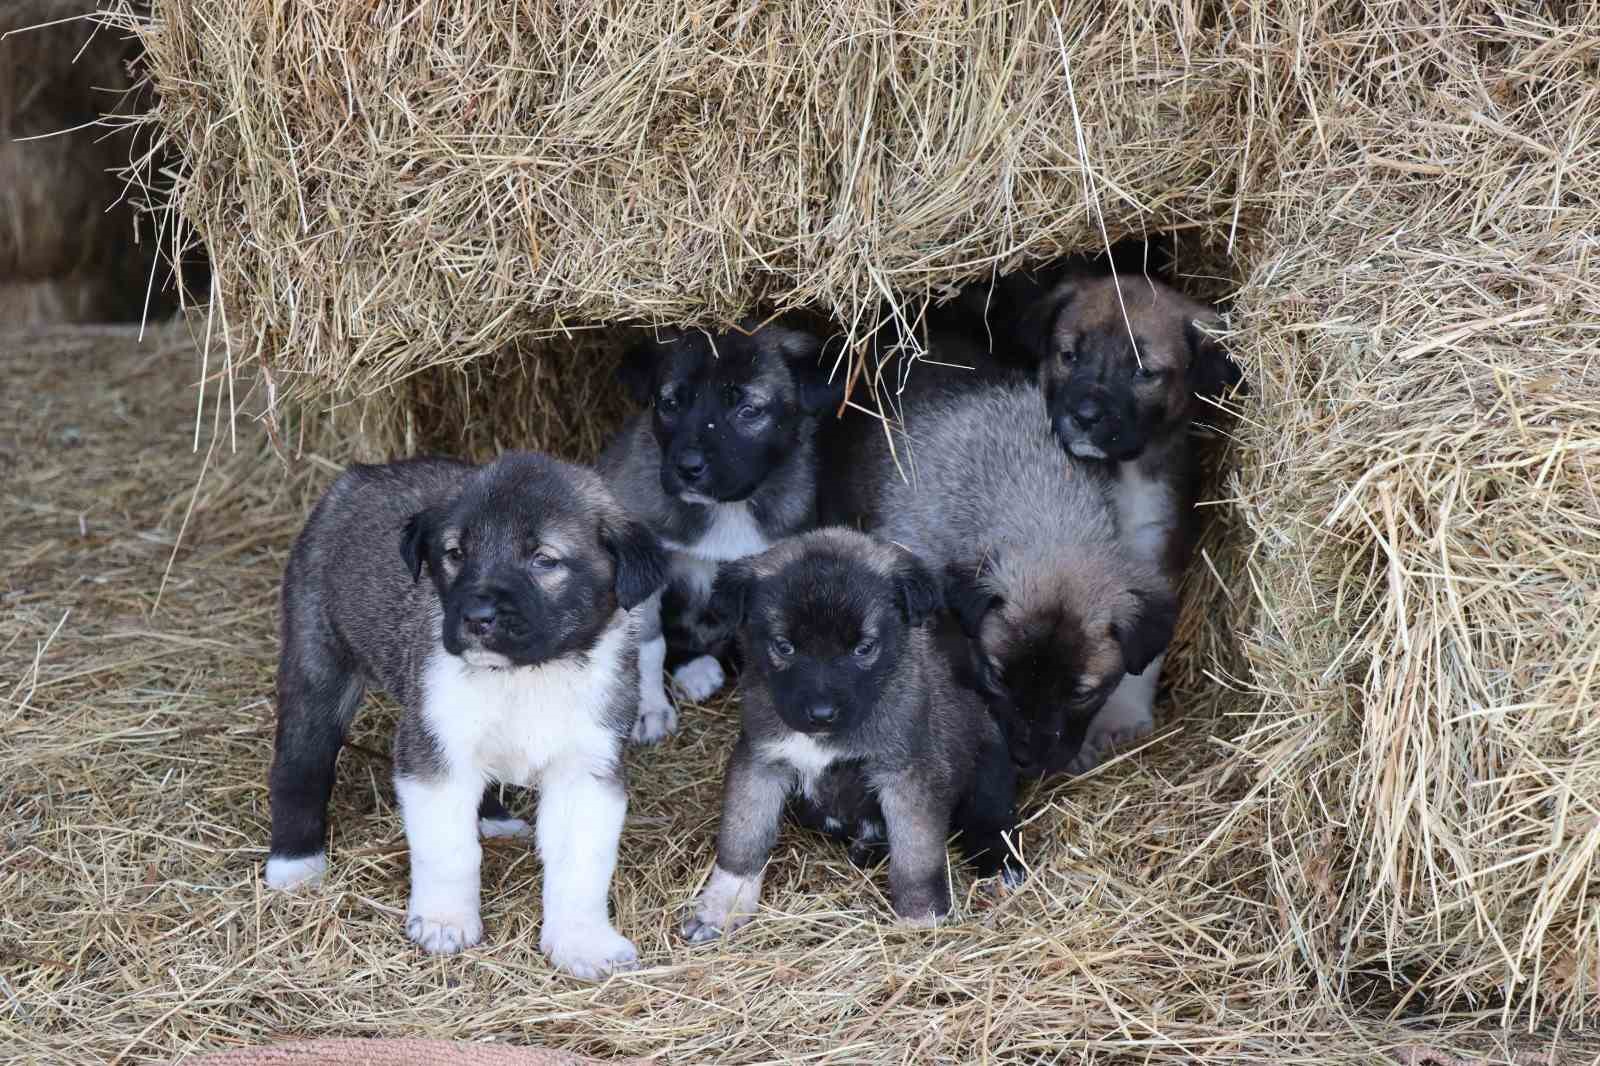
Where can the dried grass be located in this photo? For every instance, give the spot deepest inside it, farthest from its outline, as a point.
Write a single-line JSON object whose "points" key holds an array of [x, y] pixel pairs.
{"points": [[133, 750]]}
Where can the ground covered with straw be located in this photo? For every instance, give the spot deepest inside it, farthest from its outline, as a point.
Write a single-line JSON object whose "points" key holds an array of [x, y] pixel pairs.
{"points": [[135, 733]]}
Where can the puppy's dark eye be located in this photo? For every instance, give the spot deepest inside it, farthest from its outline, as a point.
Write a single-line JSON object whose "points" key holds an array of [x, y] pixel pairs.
{"points": [[667, 403], [1146, 372], [864, 649], [1069, 354], [454, 555], [782, 647], [748, 411], [545, 561]]}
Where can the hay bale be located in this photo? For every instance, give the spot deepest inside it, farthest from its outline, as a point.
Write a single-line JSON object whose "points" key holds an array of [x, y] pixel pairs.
{"points": [[1402, 192], [1420, 495]]}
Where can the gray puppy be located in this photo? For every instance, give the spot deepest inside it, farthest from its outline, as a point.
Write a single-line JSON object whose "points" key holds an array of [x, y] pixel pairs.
{"points": [[1059, 609], [721, 466], [514, 661], [847, 702]]}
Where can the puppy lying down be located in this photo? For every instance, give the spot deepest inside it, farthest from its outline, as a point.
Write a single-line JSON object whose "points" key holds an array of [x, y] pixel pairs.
{"points": [[515, 660], [846, 702]]}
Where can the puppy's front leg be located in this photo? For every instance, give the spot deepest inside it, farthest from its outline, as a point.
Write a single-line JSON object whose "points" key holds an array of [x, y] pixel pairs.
{"points": [[580, 821], [918, 822], [441, 819], [657, 718], [752, 806]]}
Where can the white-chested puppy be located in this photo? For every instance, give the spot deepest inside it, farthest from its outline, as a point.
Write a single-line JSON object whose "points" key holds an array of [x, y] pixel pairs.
{"points": [[848, 705], [515, 660], [722, 466]]}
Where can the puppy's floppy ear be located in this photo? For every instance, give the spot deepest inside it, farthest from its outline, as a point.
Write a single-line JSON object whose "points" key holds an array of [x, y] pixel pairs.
{"points": [[1211, 370], [639, 558], [416, 543], [1036, 326], [637, 372], [916, 589], [969, 597], [730, 592], [1145, 627], [819, 389]]}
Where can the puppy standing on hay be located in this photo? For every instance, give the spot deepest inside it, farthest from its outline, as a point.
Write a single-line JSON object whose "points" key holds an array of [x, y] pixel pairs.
{"points": [[845, 695], [721, 467], [516, 662], [1057, 607]]}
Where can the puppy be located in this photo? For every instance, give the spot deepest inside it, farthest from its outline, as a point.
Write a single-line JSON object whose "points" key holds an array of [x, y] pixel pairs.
{"points": [[1058, 609], [844, 699], [516, 661], [1127, 365], [721, 466]]}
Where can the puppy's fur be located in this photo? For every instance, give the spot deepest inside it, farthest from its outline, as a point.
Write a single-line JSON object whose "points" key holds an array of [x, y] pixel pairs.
{"points": [[721, 466], [846, 702], [1059, 610], [494, 603]]}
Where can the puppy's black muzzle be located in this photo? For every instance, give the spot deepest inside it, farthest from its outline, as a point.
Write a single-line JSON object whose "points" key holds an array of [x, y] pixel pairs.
{"points": [[488, 617]]}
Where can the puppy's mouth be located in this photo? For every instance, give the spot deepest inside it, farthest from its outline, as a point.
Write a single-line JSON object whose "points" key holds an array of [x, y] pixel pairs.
{"points": [[692, 496]]}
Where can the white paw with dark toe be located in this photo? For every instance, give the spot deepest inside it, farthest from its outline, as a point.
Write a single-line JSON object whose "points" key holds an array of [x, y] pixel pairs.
{"points": [[656, 722], [306, 871], [699, 679], [444, 934], [589, 952]]}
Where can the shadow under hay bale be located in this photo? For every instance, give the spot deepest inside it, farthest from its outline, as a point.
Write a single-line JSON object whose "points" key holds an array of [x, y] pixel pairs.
{"points": [[73, 246]]}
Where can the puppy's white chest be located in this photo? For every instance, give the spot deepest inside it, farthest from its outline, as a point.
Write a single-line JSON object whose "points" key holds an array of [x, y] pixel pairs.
{"points": [[808, 757], [1147, 511], [732, 534], [510, 724]]}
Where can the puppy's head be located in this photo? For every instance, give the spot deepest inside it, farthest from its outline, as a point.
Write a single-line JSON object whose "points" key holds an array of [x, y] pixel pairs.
{"points": [[531, 560], [728, 407], [1049, 647], [1120, 374], [824, 620]]}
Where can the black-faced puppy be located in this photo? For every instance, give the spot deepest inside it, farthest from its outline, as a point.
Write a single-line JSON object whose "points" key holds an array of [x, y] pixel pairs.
{"points": [[844, 698], [1059, 610], [495, 603], [721, 466]]}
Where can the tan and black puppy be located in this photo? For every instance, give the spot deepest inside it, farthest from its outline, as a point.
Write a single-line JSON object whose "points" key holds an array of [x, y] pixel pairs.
{"points": [[1059, 609], [847, 703], [496, 605], [1126, 364], [721, 466]]}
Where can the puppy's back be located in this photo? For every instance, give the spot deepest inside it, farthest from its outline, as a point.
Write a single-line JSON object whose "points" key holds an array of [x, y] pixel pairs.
{"points": [[982, 468], [345, 573]]}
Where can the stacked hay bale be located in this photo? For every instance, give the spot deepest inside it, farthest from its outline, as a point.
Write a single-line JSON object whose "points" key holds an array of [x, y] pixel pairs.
{"points": [[67, 229], [1393, 632]]}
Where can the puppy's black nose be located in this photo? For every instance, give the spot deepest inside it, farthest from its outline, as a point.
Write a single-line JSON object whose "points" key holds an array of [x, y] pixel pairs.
{"points": [[1088, 413], [691, 465], [478, 614], [822, 714]]}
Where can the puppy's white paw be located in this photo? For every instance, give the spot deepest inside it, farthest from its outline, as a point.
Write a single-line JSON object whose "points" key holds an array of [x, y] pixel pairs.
{"points": [[727, 902], [1103, 739], [699, 679], [294, 873], [490, 828], [922, 920], [656, 722], [444, 934], [589, 952]]}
